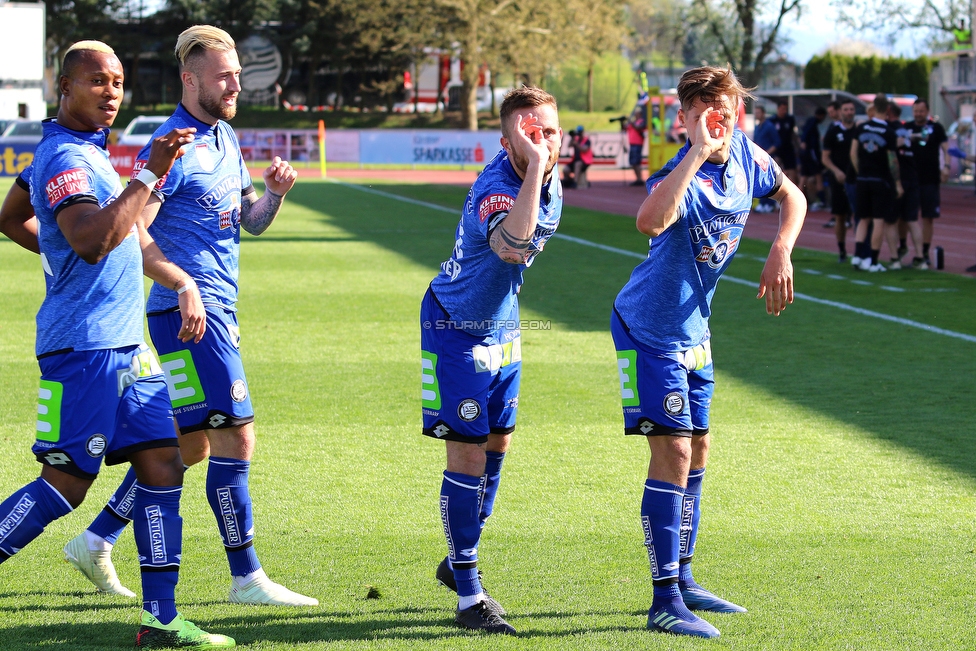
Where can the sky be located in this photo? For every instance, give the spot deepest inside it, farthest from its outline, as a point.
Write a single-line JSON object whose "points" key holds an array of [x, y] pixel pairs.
{"points": [[820, 30]]}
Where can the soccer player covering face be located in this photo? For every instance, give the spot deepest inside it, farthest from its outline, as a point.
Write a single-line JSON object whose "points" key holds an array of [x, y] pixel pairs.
{"points": [[470, 341], [102, 393], [694, 214], [195, 216]]}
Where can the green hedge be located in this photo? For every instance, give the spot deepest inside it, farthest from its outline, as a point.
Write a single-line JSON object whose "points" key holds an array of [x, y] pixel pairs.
{"points": [[872, 74]]}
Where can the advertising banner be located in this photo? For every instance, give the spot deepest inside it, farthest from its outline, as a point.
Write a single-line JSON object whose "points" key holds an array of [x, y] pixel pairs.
{"points": [[428, 147]]}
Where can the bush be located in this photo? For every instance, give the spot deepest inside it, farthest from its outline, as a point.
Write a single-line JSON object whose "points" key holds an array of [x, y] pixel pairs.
{"points": [[873, 74]]}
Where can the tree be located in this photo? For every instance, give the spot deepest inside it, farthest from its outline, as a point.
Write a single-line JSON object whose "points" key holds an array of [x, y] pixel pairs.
{"points": [[934, 18], [599, 29], [747, 31]]}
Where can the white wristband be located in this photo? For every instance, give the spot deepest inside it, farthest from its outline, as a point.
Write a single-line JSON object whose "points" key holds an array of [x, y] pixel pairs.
{"points": [[147, 177], [184, 287]]}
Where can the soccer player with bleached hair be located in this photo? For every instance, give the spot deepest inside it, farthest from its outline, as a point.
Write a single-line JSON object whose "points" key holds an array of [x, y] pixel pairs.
{"points": [[195, 216], [695, 211], [471, 346], [102, 393]]}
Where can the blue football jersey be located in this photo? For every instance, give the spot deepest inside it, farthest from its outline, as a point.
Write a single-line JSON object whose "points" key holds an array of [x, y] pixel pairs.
{"points": [[198, 224], [666, 301], [85, 307], [475, 287]]}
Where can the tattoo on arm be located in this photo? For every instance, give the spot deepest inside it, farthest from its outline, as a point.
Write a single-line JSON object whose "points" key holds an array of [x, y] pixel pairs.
{"points": [[257, 214], [508, 248], [893, 165]]}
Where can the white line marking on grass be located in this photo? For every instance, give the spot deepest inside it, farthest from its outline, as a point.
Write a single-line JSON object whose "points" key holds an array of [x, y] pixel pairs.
{"points": [[740, 281]]}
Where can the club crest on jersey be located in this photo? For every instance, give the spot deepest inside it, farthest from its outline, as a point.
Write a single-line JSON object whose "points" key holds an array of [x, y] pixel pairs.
{"points": [[229, 218], [65, 184], [204, 158], [715, 256], [740, 182], [494, 203]]}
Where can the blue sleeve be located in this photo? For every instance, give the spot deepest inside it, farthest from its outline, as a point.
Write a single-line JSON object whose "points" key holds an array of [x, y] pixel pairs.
{"points": [[766, 175], [68, 179], [23, 179], [492, 201]]}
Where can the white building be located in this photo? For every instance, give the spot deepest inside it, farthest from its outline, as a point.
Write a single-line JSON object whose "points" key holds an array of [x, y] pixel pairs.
{"points": [[22, 61]]}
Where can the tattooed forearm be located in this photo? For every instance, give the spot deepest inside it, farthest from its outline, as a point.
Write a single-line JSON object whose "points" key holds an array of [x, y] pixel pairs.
{"points": [[257, 215], [509, 248], [893, 165]]}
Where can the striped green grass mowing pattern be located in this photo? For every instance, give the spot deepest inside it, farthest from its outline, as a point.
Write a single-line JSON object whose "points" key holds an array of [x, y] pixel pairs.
{"points": [[838, 502]]}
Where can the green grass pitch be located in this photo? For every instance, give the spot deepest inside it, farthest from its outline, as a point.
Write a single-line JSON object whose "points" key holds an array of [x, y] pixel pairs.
{"points": [[838, 503]]}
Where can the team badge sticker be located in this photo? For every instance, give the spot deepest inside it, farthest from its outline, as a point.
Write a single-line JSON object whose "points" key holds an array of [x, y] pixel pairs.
{"points": [[238, 391], [468, 410], [95, 446], [674, 403]]}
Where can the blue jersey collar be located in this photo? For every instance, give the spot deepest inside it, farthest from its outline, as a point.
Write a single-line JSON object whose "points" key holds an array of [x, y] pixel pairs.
{"points": [[98, 138], [202, 127]]}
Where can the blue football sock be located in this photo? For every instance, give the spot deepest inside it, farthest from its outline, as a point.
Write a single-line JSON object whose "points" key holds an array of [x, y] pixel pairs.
{"points": [[690, 516], [489, 483], [230, 500], [661, 522], [112, 520], [158, 530], [24, 515], [460, 509]]}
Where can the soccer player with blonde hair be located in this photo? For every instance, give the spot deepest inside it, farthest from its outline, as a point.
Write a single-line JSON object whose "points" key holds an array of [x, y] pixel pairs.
{"points": [[195, 216]]}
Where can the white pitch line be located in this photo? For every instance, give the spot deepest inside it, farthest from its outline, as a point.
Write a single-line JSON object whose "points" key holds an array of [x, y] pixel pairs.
{"points": [[739, 281]]}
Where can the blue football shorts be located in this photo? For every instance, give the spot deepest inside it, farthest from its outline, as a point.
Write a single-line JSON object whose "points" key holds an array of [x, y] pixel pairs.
{"points": [[662, 393], [470, 384], [206, 381], [100, 404]]}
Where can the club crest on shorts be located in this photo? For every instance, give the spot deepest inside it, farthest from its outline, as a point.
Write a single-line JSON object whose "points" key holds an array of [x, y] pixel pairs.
{"points": [[674, 403], [238, 391], [468, 410], [95, 446]]}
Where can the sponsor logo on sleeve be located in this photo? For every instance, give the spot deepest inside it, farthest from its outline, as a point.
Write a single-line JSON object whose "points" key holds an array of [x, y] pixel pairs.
{"points": [[65, 184], [495, 203], [760, 156], [138, 167]]}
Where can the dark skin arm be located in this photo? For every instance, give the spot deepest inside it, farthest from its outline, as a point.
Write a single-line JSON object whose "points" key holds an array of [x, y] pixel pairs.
{"points": [[17, 220], [94, 232]]}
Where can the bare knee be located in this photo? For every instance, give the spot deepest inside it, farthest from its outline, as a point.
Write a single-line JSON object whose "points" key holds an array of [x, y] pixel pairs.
{"points": [[194, 447], [72, 489], [158, 466]]}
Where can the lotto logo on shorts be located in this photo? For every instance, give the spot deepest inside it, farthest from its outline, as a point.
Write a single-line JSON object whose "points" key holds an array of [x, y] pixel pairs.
{"points": [[430, 393], [182, 380], [627, 373], [66, 184], [49, 411]]}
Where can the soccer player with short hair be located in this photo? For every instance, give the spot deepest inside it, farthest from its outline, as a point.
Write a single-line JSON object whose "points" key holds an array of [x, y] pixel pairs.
{"points": [[928, 141], [694, 214], [836, 158], [102, 393], [471, 347], [875, 161], [195, 216]]}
